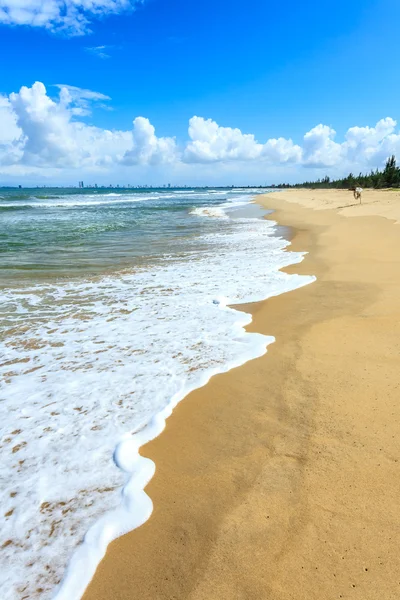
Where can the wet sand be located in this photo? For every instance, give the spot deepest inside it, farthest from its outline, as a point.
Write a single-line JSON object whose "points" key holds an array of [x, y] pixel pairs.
{"points": [[280, 479]]}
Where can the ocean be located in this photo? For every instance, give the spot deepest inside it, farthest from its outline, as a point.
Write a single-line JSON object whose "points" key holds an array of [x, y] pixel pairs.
{"points": [[114, 305]]}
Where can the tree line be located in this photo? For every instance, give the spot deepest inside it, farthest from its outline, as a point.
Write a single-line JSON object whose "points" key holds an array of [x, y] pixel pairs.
{"points": [[389, 177]]}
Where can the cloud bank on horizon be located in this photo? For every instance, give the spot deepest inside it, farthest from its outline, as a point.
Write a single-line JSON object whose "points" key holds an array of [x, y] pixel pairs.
{"points": [[41, 135]]}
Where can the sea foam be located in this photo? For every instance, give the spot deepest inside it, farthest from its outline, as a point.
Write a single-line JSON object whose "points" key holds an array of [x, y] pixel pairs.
{"points": [[91, 370], [210, 211]]}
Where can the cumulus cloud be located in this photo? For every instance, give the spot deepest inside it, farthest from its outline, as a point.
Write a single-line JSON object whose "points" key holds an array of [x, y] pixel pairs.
{"points": [[366, 145], [10, 134], [212, 143], [281, 150], [42, 133], [71, 17], [372, 144], [147, 148], [9, 130], [363, 146], [319, 147], [49, 136]]}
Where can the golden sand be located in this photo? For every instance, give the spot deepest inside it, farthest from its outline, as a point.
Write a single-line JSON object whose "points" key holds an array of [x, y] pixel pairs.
{"points": [[280, 479], [379, 203]]}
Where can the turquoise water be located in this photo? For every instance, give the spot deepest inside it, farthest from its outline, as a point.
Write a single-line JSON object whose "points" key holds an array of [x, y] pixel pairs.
{"points": [[114, 305], [74, 232]]}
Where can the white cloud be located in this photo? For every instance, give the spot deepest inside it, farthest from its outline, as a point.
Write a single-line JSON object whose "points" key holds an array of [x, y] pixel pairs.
{"points": [[51, 138], [99, 51], [80, 99], [77, 93], [9, 130], [372, 144], [147, 148], [71, 17], [281, 151], [319, 148], [45, 135], [10, 133], [212, 143]]}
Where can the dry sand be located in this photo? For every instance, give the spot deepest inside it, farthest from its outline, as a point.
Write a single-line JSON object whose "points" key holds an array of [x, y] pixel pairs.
{"points": [[280, 479], [382, 203]]}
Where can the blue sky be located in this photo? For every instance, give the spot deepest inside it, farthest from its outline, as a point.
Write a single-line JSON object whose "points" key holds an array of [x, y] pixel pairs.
{"points": [[271, 70]]}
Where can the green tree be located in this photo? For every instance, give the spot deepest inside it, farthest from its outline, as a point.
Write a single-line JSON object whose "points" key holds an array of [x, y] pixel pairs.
{"points": [[389, 177], [391, 174]]}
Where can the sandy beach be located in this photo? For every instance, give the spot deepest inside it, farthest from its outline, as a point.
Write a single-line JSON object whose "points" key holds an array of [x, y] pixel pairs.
{"points": [[280, 479]]}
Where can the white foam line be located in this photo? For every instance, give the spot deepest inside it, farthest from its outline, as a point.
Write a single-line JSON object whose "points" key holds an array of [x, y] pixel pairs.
{"points": [[209, 211], [74, 203], [136, 506], [218, 211]]}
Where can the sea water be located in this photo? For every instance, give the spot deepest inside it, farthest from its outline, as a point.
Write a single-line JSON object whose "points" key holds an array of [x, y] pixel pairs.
{"points": [[114, 304]]}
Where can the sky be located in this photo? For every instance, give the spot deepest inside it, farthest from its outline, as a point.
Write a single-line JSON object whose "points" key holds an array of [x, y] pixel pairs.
{"points": [[177, 91]]}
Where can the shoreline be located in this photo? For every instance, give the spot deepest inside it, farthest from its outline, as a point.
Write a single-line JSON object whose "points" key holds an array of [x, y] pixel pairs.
{"points": [[243, 494], [135, 506], [79, 333]]}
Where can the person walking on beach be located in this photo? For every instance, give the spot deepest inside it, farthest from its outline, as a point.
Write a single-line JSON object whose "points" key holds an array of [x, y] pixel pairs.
{"points": [[357, 193]]}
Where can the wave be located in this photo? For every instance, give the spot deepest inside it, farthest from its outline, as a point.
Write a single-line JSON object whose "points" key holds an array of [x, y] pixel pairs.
{"points": [[219, 210], [98, 365], [11, 207], [179, 192], [46, 197], [77, 203], [209, 211]]}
